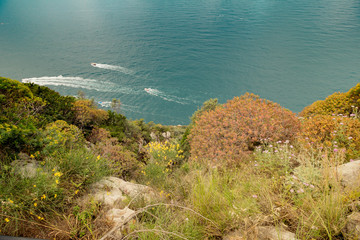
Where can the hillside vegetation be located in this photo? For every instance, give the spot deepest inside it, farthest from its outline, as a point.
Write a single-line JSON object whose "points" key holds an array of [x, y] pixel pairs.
{"points": [[239, 165]]}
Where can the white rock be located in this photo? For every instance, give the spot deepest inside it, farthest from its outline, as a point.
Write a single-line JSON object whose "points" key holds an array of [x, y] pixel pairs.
{"points": [[349, 173], [26, 168], [120, 216], [153, 136], [166, 135], [274, 233], [236, 235], [111, 191]]}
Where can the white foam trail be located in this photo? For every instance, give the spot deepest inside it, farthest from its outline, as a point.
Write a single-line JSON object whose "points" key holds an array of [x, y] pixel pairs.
{"points": [[113, 67], [74, 82], [78, 82], [166, 97]]}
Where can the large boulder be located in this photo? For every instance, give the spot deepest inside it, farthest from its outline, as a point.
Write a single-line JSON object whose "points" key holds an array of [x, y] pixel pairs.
{"points": [[349, 174]]}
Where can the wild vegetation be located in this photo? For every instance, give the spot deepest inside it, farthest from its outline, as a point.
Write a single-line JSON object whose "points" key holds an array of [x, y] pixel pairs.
{"points": [[239, 165]]}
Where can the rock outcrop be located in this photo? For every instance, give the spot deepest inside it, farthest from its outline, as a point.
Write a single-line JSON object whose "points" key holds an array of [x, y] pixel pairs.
{"points": [[349, 174], [111, 192]]}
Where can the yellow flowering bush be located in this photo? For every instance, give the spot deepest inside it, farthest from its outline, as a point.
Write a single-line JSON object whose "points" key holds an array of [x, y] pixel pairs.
{"points": [[163, 157], [60, 134]]}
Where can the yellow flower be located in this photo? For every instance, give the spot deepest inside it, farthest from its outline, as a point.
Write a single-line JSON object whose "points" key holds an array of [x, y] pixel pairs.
{"points": [[34, 185], [76, 192], [57, 181], [53, 170], [55, 195], [35, 204], [11, 201], [98, 158], [43, 197], [41, 218], [32, 156], [7, 220]]}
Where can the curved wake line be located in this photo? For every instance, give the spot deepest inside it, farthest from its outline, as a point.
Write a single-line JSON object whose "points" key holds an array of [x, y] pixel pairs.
{"points": [[113, 67], [77, 82], [166, 97]]}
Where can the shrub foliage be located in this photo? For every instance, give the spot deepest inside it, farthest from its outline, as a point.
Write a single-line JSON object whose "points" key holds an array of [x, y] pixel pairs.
{"points": [[338, 133], [337, 103], [230, 131]]}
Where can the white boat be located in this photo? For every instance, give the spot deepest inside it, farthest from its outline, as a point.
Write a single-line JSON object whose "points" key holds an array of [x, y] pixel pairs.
{"points": [[147, 89], [93, 64]]}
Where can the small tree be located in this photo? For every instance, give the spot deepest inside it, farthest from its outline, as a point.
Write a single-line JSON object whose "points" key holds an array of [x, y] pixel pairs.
{"points": [[81, 94], [86, 113], [115, 105]]}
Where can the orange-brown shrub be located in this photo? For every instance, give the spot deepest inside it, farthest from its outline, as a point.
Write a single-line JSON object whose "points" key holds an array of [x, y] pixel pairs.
{"points": [[232, 130], [337, 103], [123, 160], [336, 133], [354, 95]]}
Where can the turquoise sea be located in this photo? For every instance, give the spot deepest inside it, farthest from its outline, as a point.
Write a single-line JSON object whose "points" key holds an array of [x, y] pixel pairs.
{"points": [[183, 51]]}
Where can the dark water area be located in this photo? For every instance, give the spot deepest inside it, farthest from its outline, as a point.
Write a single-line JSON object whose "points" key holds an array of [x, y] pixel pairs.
{"points": [[183, 52]]}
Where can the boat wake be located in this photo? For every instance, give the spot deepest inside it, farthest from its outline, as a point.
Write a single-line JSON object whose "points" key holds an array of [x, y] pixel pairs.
{"points": [[165, 96], [113, 67], [77, 82]]}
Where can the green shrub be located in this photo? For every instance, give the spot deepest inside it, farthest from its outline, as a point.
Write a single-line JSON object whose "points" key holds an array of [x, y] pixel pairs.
{"points": [[19, 110], [57, 107], [231, 131]]}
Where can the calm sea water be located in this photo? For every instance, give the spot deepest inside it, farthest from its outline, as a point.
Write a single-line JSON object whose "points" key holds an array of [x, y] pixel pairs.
{"points": [[183, 51]]}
